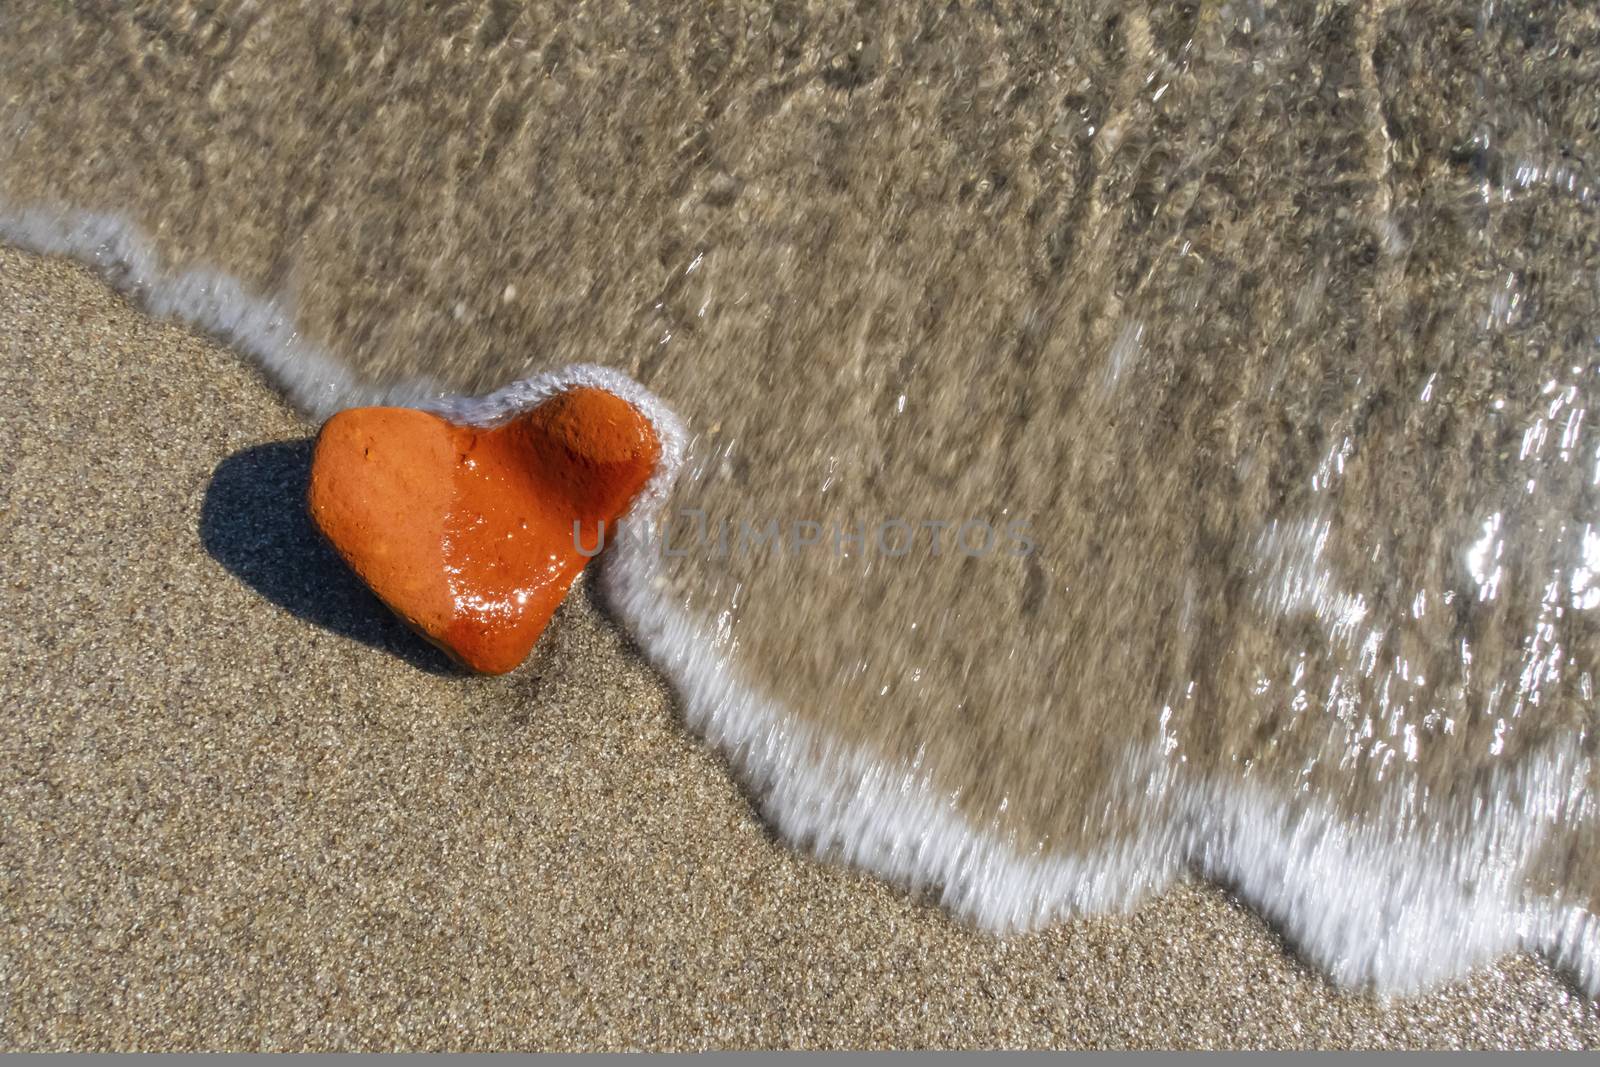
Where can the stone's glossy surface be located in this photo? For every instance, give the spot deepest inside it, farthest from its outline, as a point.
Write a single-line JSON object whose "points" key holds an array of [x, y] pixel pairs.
{"points": [[469, 534]]}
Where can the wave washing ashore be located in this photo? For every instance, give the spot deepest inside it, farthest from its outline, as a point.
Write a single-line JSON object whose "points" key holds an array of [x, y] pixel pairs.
{"points": [[1272, 330]]}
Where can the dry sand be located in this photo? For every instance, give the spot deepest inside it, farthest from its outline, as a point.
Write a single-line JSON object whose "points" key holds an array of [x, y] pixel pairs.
{"points": [[240, 807]]}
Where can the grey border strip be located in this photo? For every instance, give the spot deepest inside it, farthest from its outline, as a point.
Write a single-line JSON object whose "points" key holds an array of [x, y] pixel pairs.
{"points": [[1077, 1059]]}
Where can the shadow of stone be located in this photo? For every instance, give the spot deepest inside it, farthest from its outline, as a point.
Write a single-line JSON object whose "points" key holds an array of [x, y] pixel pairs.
{"points": [[254, 522]]}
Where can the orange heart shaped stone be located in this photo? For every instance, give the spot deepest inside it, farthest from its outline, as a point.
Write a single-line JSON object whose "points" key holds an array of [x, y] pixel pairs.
{"points": [[471, 535]]}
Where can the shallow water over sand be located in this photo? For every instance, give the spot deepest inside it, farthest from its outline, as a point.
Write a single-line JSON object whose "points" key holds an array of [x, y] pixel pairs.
{"points": [[1262, 336]]}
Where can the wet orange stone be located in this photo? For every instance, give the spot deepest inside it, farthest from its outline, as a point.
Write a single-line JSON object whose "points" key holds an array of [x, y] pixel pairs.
{"points": [[469, 534]]}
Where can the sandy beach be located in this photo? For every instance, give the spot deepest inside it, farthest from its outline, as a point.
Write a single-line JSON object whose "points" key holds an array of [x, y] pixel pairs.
{"points": [[1271, 325], [241, 807]]}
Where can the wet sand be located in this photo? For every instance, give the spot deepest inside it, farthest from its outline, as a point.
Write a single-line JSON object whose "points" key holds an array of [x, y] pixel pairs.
{"points": [[241, 807]]}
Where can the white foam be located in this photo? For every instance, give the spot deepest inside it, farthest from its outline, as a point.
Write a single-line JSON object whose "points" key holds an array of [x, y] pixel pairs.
{"points": [[1398, 915], [215, 303]]}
